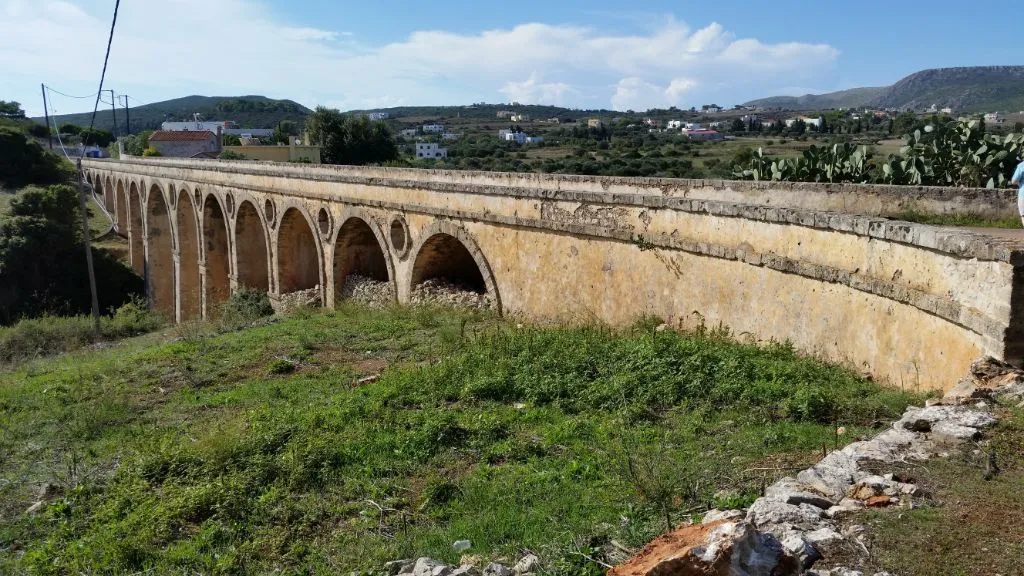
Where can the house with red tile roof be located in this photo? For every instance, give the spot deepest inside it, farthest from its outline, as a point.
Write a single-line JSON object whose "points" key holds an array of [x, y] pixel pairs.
{"points": [[186, 144]]}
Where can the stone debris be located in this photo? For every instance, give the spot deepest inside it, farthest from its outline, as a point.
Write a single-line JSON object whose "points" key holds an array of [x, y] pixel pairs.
{"points": [[375, 293], [429, 567], [787, 528], [722, 548], [440, 292], [300, 298]]}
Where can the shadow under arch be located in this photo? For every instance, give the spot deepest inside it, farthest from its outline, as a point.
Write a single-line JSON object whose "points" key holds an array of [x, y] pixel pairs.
{"points": [[252, 248], [446, 250], [360, 249], [298, 255], [217, 251], [190, 301], [160, 252]]}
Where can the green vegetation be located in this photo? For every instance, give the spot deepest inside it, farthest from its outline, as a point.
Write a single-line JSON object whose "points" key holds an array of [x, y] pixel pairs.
{"points": [[957, 153], [245, 306], [266, 449], [971, 220], [42, 267], [49, 335], [350, 139], [970, 524], [23, 161]]}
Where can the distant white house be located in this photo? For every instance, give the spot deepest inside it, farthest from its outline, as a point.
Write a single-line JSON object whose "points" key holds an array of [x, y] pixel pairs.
{"points": [[947, 110], [409, 133], [995, 117], [519, 118], [378, 115], [430, 150], [432, 128], [692, 126], [816, 122], [674, 124], [711, 109], [518, 137], [450, 136]]}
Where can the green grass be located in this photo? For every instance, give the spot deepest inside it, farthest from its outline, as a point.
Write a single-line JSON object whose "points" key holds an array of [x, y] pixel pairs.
{"points": [[968, 220], [968, 525], [202, 454]]}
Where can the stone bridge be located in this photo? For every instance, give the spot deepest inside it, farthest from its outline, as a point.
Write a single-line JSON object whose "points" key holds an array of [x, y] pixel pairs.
{"points": [[817, 265]]}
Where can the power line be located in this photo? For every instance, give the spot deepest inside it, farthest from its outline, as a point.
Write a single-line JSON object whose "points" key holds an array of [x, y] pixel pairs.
{"points": [[81, 197], [55, 91]]}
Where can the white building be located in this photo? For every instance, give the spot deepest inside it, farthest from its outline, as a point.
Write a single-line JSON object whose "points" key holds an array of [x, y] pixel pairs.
{"points": [[994, 117], [432, 128], [692, 126], [519, 118], [409, 133], [430, 150], [534, 139], [674, 124], [197, 125], [816, 122], [450, 136], [517, 137], [378, 115]]}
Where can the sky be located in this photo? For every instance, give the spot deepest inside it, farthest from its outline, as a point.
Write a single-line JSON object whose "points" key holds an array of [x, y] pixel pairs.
{"points": [[575, 53]]}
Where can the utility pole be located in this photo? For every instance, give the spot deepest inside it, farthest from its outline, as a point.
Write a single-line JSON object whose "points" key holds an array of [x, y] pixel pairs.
{"points": [[88, 252], [113, 109], [46, 109], [128, 115]]}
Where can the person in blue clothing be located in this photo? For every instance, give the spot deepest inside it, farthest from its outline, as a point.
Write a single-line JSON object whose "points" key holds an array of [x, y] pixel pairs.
{"points": [[1018, 180]]}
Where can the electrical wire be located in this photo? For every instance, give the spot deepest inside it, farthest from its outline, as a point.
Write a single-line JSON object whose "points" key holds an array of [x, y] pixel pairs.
{"points": [[55, 91], [103, 74]]}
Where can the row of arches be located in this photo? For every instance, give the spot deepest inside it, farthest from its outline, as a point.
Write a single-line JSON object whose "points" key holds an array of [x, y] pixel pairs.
{"points": [[192, 253]]}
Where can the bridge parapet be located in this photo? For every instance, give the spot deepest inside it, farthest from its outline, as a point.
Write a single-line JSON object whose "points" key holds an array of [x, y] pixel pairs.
{"points": [[908, 303]]}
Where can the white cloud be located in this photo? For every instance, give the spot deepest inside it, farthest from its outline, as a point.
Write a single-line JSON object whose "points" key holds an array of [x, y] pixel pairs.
{"points": [[532, 62], [532, 91]]}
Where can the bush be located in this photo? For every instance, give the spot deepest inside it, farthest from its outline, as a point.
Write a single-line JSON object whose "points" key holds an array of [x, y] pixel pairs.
{"points": [[245, 307], [51, 335], [23, 161], [150, 151], [231, 155]]}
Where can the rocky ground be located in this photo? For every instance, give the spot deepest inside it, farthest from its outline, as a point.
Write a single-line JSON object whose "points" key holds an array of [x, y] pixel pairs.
{"points": [[292, 300], [377, 293], [441, 292], [808, 523]]}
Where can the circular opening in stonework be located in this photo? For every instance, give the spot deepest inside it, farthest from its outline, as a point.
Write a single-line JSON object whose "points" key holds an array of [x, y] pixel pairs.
{"points": [[399, 236], [323, 220], [268, 211], [229, 201]]}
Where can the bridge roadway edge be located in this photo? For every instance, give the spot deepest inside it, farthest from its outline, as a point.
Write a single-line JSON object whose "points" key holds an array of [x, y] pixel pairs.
{"points": [[997, 329]]}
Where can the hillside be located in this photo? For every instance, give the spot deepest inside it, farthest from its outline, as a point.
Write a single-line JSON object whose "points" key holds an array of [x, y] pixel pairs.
{"points": [[489, 111], [247, 111], [969, 89]]}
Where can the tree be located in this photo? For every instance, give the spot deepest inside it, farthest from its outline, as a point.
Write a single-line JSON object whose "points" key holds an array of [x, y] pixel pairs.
{"points": [[737, 125], [42, 270], [350, 139], [24, 161], [11, 110], [96, 137], [73, 129], [906, 123]]}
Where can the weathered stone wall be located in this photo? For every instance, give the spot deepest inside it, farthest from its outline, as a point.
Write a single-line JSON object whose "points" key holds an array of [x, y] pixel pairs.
{"points": [[909, 304]]}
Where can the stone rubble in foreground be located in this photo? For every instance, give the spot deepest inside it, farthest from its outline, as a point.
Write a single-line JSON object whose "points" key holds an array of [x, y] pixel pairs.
{"points": [[784, 532]]}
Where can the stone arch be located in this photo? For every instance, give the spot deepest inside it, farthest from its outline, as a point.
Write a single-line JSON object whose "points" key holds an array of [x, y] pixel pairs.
{"points": [[108, 196], [135, 230], [159, 252], [217, 251], [446, 250], [190, 290], [360, 248], [252, 248], [298, 253], [121, 208]]}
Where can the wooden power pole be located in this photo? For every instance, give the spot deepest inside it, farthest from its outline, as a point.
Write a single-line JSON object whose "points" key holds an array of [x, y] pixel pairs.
{"points": [[87, 240], [46, 111]]}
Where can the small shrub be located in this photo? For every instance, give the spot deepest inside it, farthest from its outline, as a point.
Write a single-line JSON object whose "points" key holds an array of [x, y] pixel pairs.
{"points": [[151, 152], [281, 366], [245, 307]]}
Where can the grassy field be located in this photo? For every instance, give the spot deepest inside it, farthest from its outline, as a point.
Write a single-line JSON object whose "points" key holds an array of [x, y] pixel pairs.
{"points": [[264, 449]]}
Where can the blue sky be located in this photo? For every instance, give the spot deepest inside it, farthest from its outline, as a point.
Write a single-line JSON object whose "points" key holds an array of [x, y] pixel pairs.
{"points": [[576, 53]]}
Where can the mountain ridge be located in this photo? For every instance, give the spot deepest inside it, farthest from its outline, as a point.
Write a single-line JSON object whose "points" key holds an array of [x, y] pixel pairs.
{"points": [[964, 88]]}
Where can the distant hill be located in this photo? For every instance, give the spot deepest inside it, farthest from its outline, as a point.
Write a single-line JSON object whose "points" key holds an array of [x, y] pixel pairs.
{"points": [[489, 111], [970, 89], [247, 111]]}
